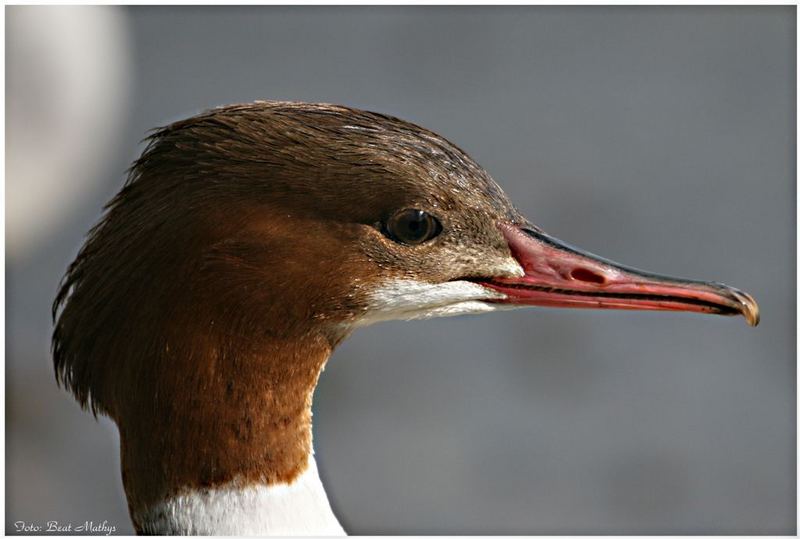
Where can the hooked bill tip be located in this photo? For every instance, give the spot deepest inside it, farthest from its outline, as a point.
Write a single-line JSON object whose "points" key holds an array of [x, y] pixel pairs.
{"points": [[748, 307]]}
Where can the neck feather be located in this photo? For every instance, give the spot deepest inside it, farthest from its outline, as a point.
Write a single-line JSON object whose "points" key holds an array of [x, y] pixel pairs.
{"points": [[226, 435]]}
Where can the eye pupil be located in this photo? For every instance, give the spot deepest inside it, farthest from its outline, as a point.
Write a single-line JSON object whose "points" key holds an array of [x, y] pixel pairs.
{"points": [[413, 226]]}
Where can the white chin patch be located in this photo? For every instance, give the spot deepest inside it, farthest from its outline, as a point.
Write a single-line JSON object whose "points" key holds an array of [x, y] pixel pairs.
{"points": [[407, 299]]}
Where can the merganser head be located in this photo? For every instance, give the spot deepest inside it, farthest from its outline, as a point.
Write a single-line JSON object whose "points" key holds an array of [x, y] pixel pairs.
{"points": [[249, 240]]}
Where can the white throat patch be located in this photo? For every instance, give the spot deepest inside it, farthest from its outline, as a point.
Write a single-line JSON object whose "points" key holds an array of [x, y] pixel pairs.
{"points": [[408, 299]]}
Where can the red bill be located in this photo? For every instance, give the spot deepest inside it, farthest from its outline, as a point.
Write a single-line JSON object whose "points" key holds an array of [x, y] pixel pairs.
{"points": [[559, 275]]}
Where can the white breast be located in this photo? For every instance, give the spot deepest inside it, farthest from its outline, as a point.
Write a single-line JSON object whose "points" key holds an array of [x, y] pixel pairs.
{"points": [[300, 508]]}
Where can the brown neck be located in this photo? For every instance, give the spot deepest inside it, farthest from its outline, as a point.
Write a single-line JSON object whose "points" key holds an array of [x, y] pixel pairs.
{"points": [[188, 334], [207, 421]]}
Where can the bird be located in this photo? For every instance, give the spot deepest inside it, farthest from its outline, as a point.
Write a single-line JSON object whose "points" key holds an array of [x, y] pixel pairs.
{"points": [[246, 243]]}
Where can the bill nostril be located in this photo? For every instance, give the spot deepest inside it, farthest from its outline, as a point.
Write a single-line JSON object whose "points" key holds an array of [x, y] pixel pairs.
{"points": [[586, 275]]}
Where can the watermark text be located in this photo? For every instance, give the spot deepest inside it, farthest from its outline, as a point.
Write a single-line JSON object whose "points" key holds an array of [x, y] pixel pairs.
{"points": [[88, 527]]}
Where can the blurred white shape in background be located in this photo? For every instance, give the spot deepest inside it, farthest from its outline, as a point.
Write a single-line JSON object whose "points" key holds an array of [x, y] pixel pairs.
{"points": [[67, 81]]}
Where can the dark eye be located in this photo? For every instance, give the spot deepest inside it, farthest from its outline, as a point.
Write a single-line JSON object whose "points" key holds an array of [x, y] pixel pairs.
{"points": [[413, 226]]}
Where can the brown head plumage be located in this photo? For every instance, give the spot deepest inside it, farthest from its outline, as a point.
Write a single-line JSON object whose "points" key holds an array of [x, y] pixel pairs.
{"points": [[243, 191]]}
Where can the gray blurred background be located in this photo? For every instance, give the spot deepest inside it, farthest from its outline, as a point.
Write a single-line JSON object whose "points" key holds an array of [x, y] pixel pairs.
{"points": [[661, 137]]}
